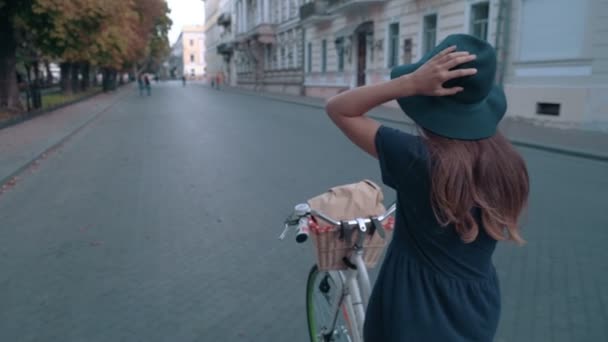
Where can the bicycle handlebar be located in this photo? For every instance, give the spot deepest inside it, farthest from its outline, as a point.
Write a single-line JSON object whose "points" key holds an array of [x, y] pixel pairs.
{"points": [[356, 221], [303, 211]]}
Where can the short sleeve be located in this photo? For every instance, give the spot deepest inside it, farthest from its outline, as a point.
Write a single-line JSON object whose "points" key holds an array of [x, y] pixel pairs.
{"points": [[397, 151]]}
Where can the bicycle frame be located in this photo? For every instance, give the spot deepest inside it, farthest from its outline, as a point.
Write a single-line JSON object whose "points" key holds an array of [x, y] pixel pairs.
{"points": [[355, 290], [354, 284]]}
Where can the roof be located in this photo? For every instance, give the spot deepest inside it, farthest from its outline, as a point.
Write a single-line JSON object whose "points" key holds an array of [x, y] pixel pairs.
{"points": [[193, 28]]}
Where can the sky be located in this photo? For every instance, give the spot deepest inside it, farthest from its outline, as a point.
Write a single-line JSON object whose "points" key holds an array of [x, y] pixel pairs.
{"points": [[185, 12]]}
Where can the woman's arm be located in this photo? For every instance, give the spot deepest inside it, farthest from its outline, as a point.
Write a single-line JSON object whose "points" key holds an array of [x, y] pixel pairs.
{"points": [[347, 109]]}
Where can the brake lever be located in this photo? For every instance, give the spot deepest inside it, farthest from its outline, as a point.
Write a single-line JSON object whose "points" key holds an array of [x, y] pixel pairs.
{"points": [[282, 236], [291, 221]]}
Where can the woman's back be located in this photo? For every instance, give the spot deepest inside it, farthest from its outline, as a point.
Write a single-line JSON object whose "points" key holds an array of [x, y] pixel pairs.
{"points": [[461, 187], [431, 279]]}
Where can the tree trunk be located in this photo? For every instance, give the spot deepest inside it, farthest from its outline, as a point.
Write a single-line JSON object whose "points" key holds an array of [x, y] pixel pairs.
{"points": [[36, 96], [114, 79], [86, 76], [9, 89], [66, 77], [49, 74], [28, 88], [75, 77], [109, 79], [95, 72]]}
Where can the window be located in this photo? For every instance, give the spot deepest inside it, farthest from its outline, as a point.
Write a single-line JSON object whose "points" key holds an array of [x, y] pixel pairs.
{"points": [[340, 53], [543, 35], [191, 42], [297, 49], [309, 57], [283, 11], [293, 9], [324, 55], [290, 57], [429, 33], [191, 72], [192, 58], [479, 20], [267, 57], [393, 45], [283, 65]]}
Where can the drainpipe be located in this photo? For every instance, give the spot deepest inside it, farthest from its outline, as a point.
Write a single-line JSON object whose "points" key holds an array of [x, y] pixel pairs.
{"points": [[504, 36], [302, 62]]}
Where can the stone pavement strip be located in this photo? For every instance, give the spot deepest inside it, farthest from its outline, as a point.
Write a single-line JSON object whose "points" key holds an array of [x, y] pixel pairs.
{"points": [[24, 143], [522, 132], [159, 220]]}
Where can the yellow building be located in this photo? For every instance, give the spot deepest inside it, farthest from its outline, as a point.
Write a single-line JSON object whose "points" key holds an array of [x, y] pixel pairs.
{"points": [[192, 40]]}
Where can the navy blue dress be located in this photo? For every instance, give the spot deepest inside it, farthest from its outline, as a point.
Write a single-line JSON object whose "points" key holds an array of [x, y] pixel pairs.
{"points": [[431, 286]]}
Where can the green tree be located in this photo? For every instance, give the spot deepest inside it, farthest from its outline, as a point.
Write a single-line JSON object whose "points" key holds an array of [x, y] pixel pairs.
{"points": [[10, 13], [112, 35]]}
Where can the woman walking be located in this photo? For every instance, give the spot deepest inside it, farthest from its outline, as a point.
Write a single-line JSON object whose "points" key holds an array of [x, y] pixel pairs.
{"points": [[461, 187], [147, 84]]}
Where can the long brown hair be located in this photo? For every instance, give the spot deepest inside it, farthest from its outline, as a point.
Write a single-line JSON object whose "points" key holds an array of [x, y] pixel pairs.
{"points": [[488, 175]]}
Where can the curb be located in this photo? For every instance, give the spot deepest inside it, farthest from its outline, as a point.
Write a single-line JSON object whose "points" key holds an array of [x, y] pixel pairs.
{"points": [[561, 150], [39, 112], [57, 144], [518, 142]]}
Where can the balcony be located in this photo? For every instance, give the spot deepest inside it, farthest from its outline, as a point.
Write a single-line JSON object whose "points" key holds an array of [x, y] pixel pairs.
{"points": [[225, 49], [264, 33], [335, 6], [314, 12], [224, 19]]}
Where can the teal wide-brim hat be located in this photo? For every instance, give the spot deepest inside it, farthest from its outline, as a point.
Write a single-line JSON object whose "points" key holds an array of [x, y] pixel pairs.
{"points": [[472, 114]]}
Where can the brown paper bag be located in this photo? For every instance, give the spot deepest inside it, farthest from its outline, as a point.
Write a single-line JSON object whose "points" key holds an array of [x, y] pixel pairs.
{"points": [[347, 202]]}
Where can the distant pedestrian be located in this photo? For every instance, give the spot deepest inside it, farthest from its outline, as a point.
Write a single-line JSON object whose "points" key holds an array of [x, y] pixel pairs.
{"points": [[140, 83], [183, 80], [218, 80], [212, 82], [147, 84]]}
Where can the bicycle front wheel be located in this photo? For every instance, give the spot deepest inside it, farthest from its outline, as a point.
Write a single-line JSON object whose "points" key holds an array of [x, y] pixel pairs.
{"points": [[322, 292]]}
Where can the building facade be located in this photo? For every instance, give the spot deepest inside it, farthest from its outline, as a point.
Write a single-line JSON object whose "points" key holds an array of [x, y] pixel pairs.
{"points": [[552, 54], [219, 29], [557, 68], [176, 59], [269, 45], [353, 43], [193, 52]]}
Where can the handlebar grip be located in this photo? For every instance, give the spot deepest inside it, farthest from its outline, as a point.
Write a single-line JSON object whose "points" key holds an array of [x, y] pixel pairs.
{"points": [[302, 230]]}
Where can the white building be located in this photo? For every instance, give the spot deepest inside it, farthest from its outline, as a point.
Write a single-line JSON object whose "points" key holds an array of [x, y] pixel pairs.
{"points": [[557, 53], [553, 54], [219, 30], [269, 45], [193, 47]]}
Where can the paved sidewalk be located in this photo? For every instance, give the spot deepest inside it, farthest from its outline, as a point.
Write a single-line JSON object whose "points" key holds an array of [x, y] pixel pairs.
{"points": [[23, 143], [588, 144]]}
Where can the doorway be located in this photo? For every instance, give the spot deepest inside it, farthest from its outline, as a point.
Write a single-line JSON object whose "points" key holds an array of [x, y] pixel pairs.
{"points": [[364, 33], [361, 57]]}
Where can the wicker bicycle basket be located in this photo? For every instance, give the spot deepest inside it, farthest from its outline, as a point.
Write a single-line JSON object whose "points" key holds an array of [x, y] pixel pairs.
{"points": [[347, 202], [331, 247]]}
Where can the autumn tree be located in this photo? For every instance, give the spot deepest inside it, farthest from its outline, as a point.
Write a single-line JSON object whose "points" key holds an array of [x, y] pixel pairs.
{"points": [[112, 35], [154, 27], [10, 12]]}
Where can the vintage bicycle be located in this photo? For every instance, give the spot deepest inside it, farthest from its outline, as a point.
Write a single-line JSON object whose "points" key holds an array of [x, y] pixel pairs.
{"points": [[338, 286]]}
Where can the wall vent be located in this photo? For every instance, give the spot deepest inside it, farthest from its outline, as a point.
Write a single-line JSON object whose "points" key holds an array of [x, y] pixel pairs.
{"points": [[545, 108]]}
